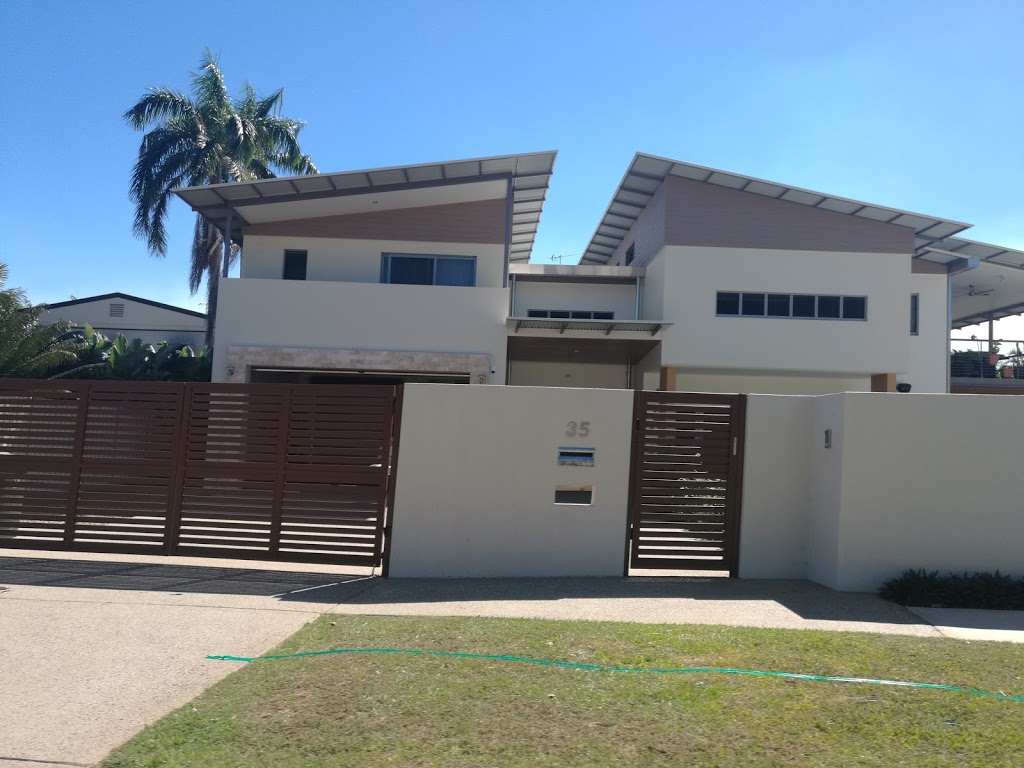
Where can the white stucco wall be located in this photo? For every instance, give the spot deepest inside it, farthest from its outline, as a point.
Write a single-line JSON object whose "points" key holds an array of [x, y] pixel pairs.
{"points": [[532, 373], [825, 481], [691, 381], [698, 338], [929, 350], [910, 481], [350, 315], [776, 476], [929, 481], [140, 321], [358, 261], [599, 297], [476, 478]]}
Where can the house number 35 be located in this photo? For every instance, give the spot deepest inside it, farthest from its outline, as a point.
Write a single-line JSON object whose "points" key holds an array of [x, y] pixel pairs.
{"points": [[577, 429]]}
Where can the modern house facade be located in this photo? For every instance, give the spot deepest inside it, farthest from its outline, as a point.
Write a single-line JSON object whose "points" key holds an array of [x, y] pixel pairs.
{"points": [[694, 280], [137, 318]]}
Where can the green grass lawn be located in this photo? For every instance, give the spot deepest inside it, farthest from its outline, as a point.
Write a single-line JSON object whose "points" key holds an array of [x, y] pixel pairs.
{"points": [[393, 710]]}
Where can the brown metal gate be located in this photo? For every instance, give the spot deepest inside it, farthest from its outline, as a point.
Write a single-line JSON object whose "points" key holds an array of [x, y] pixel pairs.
{"points": [[280, 472], [686, 481]]}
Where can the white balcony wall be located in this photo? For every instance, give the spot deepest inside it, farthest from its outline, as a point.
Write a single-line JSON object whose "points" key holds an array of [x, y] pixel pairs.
{"points": [[698, 338], [352, 315], [358, 261], [598, 297], [929, 351], [538, 373]]}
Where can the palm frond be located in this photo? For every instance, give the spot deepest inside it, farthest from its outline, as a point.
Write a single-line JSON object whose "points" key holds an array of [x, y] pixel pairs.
{"points": [[160, 104]]}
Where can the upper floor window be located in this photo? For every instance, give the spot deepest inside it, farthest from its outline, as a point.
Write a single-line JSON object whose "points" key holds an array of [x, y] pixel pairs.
{"points": [[798, 305], [570, 314], [915, 303], [416, 269], [630, 253], [294, 265]]}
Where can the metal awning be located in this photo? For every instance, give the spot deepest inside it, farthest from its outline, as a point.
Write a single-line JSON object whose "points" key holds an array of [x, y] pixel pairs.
{"points": [[990, 291], [951, 250], [529, 173], [650, 327], [647, 172]]}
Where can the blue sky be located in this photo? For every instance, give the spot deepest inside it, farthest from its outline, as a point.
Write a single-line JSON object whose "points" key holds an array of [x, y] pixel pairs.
{"points": [[916, 105]]}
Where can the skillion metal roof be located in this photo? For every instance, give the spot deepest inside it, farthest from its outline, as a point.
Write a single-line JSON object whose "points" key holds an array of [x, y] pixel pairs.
{"points": [[647, 172]]}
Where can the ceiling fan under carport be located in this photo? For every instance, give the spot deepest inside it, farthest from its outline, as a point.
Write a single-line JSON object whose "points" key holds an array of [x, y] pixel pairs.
{"points": [[972, 290]]}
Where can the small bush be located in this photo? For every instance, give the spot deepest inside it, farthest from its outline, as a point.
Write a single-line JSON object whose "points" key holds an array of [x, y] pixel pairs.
{"points": [[928, 589]]}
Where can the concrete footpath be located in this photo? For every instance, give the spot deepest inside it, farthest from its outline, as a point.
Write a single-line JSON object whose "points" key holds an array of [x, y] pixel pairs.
{"points": [[95, 647]]}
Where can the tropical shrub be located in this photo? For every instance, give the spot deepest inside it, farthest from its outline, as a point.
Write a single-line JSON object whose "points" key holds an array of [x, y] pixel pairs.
{"points": [[929, 589], [119, 359], [29, 349]]}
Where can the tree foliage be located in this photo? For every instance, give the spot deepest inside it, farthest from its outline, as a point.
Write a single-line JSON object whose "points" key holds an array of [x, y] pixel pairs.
{"points": [[206, 138], [120, 359], [29, 349]]}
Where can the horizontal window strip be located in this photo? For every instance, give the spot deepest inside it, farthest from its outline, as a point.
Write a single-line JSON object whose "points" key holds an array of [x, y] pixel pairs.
{"points": [[791, 305]]}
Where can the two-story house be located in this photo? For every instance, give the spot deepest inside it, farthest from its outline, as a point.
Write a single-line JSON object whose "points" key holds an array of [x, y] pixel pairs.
{"points": [[695, 279]]}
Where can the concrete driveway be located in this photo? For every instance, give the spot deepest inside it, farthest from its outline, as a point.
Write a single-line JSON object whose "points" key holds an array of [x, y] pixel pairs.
{"points": [[93, 649]]}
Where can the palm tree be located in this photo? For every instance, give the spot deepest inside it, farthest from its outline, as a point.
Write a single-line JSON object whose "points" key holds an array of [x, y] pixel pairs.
{"points": [[28, 349], [208, 138]]}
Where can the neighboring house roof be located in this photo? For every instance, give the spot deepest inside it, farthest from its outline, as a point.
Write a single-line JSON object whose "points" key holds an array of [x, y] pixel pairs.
{"points": [[647, 172], [251, 201], [127, 297]]}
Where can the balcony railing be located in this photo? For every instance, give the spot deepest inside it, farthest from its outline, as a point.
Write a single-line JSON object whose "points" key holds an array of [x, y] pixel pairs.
{"points": [[979, 359]]}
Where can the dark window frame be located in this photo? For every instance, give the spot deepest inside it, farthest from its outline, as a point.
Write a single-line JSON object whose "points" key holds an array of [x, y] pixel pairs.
{"points": [[915, 314], [765, 299], [570, 314], [295, 254], [385, 267]]}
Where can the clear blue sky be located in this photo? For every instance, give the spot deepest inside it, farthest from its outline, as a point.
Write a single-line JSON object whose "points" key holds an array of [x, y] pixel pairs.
{"points": [[916, 105]]}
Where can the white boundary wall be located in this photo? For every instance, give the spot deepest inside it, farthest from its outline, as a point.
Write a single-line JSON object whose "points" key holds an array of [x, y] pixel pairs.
{"points": [[476, 478], [910, 481]]}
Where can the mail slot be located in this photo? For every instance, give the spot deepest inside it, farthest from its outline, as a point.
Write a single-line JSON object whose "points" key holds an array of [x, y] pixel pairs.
{"points": [[575, 457]]}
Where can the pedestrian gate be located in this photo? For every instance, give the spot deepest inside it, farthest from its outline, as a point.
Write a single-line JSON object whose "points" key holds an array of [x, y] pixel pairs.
{"points": [[685, 484], [280, 472]]}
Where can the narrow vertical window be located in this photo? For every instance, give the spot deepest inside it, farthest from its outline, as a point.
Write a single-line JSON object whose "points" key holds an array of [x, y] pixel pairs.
{"points": [[630, 253], [914, 309], [294, 265]]}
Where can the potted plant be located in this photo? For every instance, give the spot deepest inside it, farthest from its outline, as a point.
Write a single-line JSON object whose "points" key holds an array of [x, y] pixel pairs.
{"points": [[993, 353]]}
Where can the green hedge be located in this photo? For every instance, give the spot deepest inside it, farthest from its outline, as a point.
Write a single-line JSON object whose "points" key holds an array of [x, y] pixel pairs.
{"points": [[956, 590]]}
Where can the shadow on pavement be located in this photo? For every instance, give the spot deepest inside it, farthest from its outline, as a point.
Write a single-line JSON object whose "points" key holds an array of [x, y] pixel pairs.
{"points": [[803, 598], [308, 586]]}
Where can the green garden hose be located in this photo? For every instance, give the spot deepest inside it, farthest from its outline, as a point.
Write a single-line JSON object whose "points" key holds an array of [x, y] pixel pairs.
{"points": [[600, 668]]}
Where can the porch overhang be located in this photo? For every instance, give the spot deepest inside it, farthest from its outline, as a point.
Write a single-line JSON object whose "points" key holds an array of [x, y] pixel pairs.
{"points": [[579, 341], [590, 328]]}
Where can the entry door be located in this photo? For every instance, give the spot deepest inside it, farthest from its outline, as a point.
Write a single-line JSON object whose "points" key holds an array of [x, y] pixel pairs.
{"points": [[686, 481]]}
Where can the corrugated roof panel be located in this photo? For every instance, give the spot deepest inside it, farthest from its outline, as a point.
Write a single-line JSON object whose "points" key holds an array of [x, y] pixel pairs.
{"points": [[424, 173], [765, 188], [313, 183], [461, 170], [727, 180]]}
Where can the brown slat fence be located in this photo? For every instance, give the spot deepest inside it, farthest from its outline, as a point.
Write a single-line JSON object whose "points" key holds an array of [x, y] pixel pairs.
{"points": [[282, 472], [686, 478]]}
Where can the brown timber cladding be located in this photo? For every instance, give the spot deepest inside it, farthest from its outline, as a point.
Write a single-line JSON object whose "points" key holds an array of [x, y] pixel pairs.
{"points": [[686, 481], [280, 472]]}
